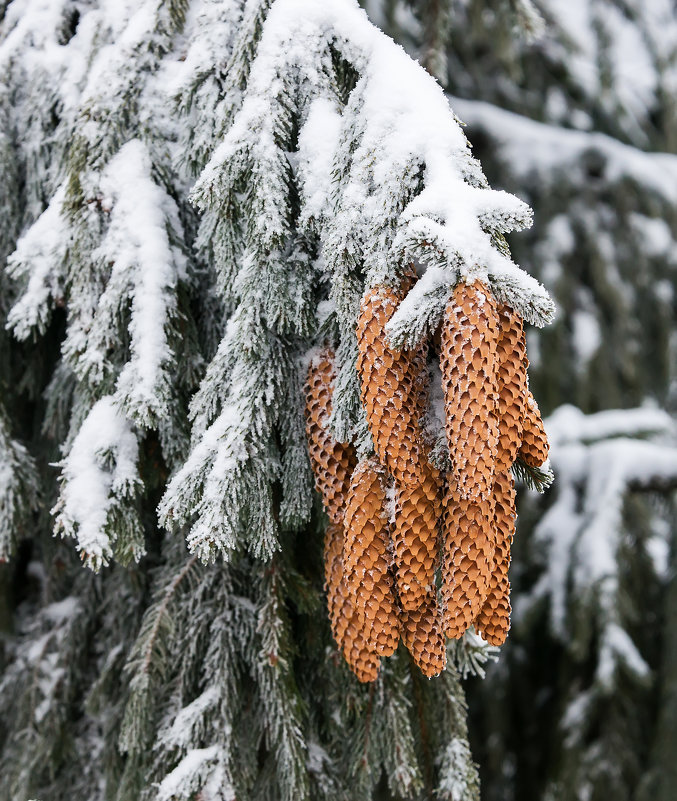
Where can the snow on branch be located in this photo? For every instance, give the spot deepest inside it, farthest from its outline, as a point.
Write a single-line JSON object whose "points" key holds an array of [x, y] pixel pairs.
{"points": [[139, 34], [99, 480], [198, 82], [598, 459], [145, 264], [568, 424], [223, 488], [198, 772], [39, 261], [410, 188], [541, 152], [139, 243]]}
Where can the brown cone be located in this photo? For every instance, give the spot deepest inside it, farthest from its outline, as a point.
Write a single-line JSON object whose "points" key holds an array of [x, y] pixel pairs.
{"points": [[423, 637], [361, 658], [468, 560], [469, 365], [418, 508], [493, 622], [512, 386], [332, 461], [349, 635], [393, 387], [366, 560], [535, 446], [334, 582]]}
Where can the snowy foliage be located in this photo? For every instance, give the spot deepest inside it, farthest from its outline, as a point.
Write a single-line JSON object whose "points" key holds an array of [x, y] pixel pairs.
{"points": [[391, 183], [195, 195], [44, 663], [214, 188], [379, 184], [100, 480], [604, 248]]}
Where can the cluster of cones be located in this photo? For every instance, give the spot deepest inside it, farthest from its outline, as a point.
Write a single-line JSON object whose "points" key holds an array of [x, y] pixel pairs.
{"points": [[398, 526]]}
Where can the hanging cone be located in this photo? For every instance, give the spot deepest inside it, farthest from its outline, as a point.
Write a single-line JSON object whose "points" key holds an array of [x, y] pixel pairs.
{"points": [[366, 560], [423, 637], [493, 622], [468, 560], [332, 461], [469, 366], [418, 508], [334, 582], [393, 387], [512, 386], [534, 448], [348, 633], [358, 653]]}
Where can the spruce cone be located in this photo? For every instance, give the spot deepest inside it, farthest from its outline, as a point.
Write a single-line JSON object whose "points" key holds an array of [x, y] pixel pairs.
{"points": [[358, 653], [512, 386], [366, 560], [415, 534], [332, 461], [393, 388], [349, 635], [468, 560], [535, 446], [493, 622], [469, 365], [422, 634], [334, 582]]}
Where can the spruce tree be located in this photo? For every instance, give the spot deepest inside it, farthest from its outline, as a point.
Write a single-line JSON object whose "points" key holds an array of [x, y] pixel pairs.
{"points": [[198, 195]]}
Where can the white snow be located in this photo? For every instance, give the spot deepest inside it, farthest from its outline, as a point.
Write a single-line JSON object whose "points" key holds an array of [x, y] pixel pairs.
{"points": [[318, 142], [568, 424], [144, 264], [618, 649], [60, 612], [185, 726], [534, 148], [398, 112], [39, 256], [189, 775], [658, 239], [102, 463], [573, 17], [455, 766], [586, 336]]}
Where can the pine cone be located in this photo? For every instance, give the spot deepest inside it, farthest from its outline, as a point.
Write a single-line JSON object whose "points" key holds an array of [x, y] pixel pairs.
{"points": [[493, 622], [332, 461], [334, 582], [512, 386], [418, 508], [535, 446], [348, 633], [423, 637], [393, 387], [469, 365], [358, 654], [367, 562], [468, 560]]}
